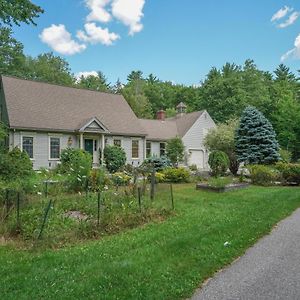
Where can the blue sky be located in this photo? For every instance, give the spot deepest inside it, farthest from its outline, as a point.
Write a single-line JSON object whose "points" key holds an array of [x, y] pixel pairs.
{"points": [[174, 39]]}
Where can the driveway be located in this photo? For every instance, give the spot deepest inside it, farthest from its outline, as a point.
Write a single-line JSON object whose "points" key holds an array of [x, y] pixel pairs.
{"points": [[268, 270]]}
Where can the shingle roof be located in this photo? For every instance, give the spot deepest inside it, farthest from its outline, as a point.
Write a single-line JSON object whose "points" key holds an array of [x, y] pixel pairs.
{"points": [[171, 127], [44, 106]]}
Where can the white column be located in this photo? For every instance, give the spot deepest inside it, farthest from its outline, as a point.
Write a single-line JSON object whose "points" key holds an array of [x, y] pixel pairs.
{"points": [[81, 141]]}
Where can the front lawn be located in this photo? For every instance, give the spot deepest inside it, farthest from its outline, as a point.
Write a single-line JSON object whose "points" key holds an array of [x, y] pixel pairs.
{"points": [[161, 260]]}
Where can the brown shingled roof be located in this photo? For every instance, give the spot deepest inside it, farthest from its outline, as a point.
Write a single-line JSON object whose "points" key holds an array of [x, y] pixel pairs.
{"points": [[171, 127], [44, 106]]}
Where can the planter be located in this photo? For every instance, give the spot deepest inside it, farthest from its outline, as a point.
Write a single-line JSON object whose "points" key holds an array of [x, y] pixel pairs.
{"points": [[228, 187]]}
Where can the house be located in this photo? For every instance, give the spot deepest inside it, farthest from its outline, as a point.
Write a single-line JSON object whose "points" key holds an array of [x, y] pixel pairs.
{"points": [[45, 118]]}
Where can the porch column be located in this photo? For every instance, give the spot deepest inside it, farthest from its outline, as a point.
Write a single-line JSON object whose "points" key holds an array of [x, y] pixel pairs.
{"points": [[81, 141], [102, 148], [145, 148]]}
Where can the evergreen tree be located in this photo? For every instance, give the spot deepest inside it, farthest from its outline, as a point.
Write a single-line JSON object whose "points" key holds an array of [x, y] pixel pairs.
{"points": [[256, 139]]}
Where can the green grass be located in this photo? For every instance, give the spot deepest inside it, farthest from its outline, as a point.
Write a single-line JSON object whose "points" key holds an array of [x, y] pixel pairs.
{"points": [[167, 260]]}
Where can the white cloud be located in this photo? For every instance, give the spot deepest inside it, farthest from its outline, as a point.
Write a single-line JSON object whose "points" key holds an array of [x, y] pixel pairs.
{"points": [[130, 13], [291, 20], [281, 13], [98, 10], [95, 34], [293, 53], [60, 40], [85, 74]]}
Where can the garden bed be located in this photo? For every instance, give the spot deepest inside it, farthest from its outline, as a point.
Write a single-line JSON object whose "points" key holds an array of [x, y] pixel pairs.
{"points": [[226, 188]]}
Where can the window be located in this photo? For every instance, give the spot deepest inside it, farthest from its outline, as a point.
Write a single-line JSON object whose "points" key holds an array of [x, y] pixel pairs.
{"points": [[27, 145], [117, 143], [135, 149], [162, 149], [106, 141], [54, 148], [148, 149]]}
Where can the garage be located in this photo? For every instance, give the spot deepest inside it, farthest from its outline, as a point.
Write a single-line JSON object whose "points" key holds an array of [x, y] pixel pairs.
{"points": [[196, 158]]}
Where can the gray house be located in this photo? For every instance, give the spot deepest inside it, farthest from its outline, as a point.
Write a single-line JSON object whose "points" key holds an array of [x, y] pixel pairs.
{"points": [[45, 118]]}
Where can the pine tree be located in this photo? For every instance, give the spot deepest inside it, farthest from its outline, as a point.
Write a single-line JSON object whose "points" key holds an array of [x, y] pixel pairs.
{"points": [[256, 139]]}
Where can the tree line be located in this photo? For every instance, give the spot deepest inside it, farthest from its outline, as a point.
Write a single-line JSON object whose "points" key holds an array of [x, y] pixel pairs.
{"points": [[224, 93]]}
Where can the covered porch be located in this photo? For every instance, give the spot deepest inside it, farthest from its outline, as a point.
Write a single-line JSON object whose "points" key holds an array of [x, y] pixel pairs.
{"points": [[92, 139]]}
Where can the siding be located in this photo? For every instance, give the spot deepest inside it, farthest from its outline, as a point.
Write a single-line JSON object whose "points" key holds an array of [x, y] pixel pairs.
{"points": [[194, 138], [126, 145], [41, 146]]}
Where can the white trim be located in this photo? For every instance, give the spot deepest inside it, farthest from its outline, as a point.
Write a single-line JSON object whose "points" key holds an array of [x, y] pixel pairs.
{"points": [[49, 147], [138, 157], [32, 135], [90, 122]]}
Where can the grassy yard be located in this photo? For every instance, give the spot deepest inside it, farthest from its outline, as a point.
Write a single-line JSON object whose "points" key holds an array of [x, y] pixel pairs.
{"points": [[160, 260]]}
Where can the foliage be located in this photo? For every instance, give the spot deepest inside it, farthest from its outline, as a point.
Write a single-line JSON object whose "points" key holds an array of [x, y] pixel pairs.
{"points": [[114, 157], [16, 171], [285, 155], [16, 11], [76, 164], [222, 139], [11, 54], [121, 178], [290, 173], [193, 167], [176, 175], [98, 179], [219, 182], [160, 177], [97, 83], [263, 175], [218, 162], [255, 139], [175, 150], [49, 68], [159, 163]]}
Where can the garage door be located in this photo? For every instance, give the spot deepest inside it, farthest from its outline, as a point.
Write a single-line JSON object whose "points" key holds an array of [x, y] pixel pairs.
{"points": [[197, 158]]}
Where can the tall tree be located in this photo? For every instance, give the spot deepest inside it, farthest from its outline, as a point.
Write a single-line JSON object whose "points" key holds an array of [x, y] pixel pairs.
{"points": [[49, 68], [255, 139], [222, 138], [12, 58], [97, 83], [17, 11]]}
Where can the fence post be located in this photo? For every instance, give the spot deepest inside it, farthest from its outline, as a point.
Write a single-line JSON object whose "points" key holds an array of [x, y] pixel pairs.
{"points": [[6, 203], [45, 218], [86, 188], [152, 183], [172, 197], [46, 188], [139, 199], [18, 210], [98, 212]]}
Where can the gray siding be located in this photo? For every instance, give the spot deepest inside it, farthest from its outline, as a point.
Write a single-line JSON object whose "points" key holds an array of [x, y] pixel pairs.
{"points": [[126, 145], [41, 141], [194, 138]]}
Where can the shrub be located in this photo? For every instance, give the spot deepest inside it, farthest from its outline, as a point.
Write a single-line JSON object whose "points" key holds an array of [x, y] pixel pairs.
{"points": [[285, 155], [160, 177], [16, 170], [159, 163], [98, 179], [176, 175], [175, 150], [121, 178], [218, 162], [193, 168], [219, 182], [76, 164], [290, 173], [263, 175], [114, 157]]}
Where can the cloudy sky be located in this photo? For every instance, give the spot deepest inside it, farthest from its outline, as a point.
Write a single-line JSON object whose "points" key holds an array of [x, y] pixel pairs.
{"points": [[174, 39]]}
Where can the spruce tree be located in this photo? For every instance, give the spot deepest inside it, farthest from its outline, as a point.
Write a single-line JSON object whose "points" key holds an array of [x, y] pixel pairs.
{"points": [[256, 139]]}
